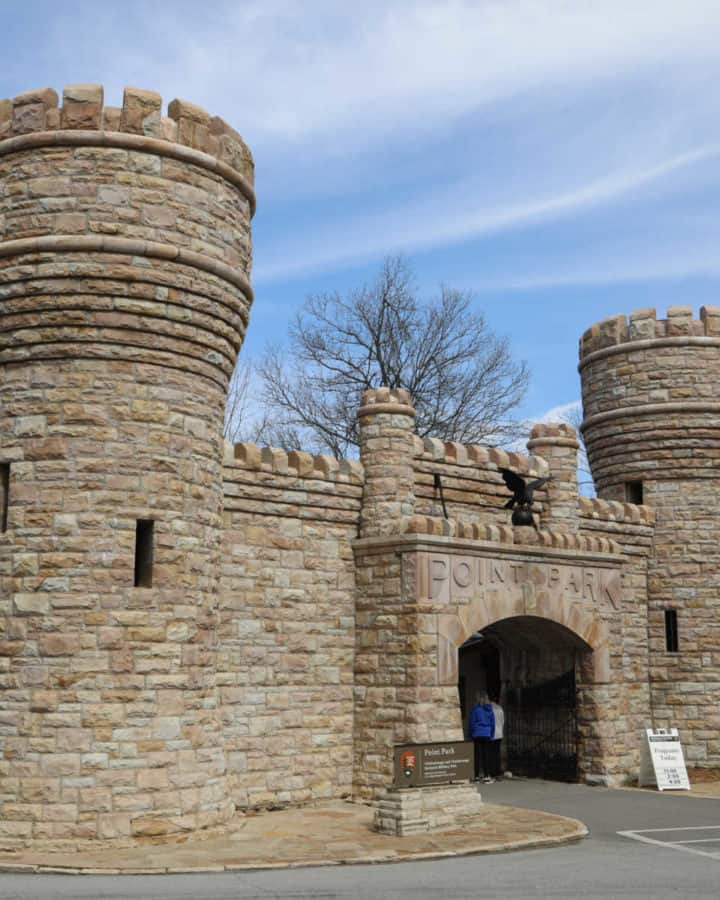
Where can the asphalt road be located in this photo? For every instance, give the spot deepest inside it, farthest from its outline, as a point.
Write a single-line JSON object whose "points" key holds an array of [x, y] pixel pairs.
{"points": [[675, 851]]}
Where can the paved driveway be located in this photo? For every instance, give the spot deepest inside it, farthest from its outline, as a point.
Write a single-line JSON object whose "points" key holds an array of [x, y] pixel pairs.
{"points": [[608, 864]]}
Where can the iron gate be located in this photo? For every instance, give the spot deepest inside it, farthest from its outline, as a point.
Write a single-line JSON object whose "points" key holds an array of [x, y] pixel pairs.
{"points": [[541, 736]]}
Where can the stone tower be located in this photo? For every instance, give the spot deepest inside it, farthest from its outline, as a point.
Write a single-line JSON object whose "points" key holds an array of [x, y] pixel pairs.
{"points": [[124, 296], [652, 430]]}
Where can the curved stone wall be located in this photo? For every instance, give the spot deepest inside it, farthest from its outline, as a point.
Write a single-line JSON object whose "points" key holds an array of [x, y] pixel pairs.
{"points": [[652, 415], [124, 298], [649, 397]]}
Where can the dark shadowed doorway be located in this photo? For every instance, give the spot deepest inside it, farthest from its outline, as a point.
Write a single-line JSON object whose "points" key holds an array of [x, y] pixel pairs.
{"points": [[527, 664]]}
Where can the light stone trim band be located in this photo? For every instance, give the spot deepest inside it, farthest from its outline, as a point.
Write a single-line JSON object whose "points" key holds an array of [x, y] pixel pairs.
{"points": [[85, 243], [411, 543], [138, 142], [396, 409], [552, 442], [682, 340], [650, 409]]}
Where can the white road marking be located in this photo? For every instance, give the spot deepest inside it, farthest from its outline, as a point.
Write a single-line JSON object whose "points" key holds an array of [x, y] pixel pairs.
{"points": [[676, 845], [678, 828], [699, 841]]}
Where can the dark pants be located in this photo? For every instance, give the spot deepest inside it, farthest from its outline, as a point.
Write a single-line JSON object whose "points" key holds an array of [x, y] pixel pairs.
{"points": [[495, 758], [482, 756]]}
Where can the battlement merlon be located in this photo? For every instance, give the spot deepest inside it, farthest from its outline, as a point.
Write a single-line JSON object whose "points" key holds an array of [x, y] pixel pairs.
{"points": [[35, 119], [618, 333]]}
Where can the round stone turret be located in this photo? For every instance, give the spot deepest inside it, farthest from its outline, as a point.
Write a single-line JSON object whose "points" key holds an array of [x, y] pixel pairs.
{"points": [[652, 431], [387, 444], [650, 397], [124, 297], [557, 443]]}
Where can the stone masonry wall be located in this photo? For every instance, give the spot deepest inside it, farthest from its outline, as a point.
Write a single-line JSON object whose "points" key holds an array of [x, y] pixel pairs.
{"points": [[472, 485], [652, 415], [631, 528], [287, 623], [124, 296], [408, 631]]}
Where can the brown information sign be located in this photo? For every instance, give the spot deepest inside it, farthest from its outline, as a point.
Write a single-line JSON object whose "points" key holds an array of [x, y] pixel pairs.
{"points": [[442, 763]]}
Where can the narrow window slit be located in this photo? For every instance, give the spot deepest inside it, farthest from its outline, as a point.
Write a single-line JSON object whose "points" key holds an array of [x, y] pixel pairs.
{"points": [[144, 552], [671, 631], [634, 492], [4, 494]]}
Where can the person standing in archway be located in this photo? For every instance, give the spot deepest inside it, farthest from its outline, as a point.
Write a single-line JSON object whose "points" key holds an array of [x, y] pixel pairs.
{"points": [[481, 727], [496, 742]]}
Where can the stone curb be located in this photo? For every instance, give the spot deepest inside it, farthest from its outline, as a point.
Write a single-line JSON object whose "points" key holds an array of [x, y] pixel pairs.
{"points": [[581, 831]]}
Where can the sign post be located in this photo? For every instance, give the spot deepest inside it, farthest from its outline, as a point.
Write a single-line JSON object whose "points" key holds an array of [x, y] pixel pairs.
{"points": [[662, 763]]}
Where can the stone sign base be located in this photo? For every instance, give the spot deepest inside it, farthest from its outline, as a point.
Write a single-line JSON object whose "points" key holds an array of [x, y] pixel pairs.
{"points": [[403, 811]]}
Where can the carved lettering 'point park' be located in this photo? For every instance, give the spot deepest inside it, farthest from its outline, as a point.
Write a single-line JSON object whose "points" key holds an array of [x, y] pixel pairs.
{"points": [[452, 576]]}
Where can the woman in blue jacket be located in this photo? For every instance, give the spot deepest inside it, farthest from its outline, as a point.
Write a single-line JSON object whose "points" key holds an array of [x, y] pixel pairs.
{"points": [[481, 727]]}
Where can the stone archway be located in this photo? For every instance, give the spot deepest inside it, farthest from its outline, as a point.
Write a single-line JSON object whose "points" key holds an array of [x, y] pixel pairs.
{"points": [[485, 610], [531, 667], [577, 597]]}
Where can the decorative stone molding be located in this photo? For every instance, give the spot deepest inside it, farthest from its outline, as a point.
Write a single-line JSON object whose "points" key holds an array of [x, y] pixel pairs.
{"points": [[86, 243]]}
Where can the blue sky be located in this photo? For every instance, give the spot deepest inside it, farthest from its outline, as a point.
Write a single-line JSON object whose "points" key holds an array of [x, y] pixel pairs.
{"points": [[561, 159]]}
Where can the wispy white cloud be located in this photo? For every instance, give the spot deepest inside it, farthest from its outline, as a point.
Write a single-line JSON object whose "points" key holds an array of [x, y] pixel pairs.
{"points": [[351, 75], [564, 412], [456, 216], [319, 85]]}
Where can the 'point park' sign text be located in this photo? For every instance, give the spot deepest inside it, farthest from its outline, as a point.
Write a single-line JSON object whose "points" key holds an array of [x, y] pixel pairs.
{"points": [[418, 765]]}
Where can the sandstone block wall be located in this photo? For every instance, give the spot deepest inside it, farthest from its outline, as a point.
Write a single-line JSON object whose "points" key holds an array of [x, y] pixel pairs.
{"points": [[652, 415], [124, 297], [473, 488], [287, 624], [630, 528]]}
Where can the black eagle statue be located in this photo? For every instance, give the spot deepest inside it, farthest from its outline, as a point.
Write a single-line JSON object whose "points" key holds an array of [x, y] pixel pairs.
{"points": [[522, 496]]}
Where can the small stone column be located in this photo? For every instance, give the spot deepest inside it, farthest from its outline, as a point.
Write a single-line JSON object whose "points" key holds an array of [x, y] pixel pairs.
{"points": [[386, 451], [558, 445]]}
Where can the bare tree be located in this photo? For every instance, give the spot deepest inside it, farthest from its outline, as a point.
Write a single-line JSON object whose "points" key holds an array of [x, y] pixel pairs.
{"points": [[462, 377], [586, 484], [245, 420]]}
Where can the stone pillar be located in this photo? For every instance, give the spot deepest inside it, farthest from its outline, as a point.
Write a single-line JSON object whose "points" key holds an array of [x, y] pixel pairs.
{"points": [[558, 445], [386, 450]]}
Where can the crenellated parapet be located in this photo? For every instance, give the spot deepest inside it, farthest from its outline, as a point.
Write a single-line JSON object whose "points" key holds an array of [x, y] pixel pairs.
{"points": [[452, 453], [651, 410], [621, 333], [472, 486], [507, 534], [35, 119], [294, 463], [615, 511]]}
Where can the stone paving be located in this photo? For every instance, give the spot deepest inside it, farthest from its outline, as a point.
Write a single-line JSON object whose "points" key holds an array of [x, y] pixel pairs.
{"points": [[331, 834]]}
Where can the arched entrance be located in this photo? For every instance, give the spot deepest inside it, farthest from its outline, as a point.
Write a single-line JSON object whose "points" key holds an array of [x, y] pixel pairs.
{"points": [[529, 665]]}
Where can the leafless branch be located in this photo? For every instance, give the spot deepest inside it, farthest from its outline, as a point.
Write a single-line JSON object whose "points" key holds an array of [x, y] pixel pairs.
{"points": [[462, 377]]}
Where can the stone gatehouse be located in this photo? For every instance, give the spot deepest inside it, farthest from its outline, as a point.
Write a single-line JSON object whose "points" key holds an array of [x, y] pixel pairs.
{"points": [[189, 628]]}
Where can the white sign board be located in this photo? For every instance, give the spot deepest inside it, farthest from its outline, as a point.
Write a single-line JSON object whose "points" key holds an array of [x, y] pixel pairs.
{"points": [[662, 762]]}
